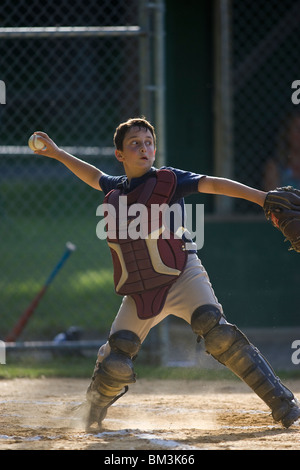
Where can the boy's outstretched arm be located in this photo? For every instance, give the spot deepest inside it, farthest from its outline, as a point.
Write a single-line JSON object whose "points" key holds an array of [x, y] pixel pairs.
{"points": [[227, 187], [83, 170]]}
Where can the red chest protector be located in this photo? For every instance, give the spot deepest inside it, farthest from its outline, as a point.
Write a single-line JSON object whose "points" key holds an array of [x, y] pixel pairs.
{"points": [[146, 267]]}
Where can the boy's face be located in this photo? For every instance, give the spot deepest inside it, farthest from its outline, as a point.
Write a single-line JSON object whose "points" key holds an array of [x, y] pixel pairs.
{"points": [[138, 152]]}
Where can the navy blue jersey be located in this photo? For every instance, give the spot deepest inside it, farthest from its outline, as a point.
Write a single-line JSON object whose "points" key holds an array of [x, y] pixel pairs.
{"points": [[187, 183]]}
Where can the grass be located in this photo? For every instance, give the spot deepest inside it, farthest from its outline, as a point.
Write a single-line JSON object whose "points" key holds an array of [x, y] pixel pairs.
{"points": [[78, 367], [60, 367], [82, 367]]}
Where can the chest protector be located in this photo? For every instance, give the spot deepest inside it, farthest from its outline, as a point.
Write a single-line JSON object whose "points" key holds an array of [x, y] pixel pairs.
{"points": [[147, 266]]}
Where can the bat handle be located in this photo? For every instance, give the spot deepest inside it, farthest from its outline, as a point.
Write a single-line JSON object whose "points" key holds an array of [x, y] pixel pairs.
{"points": [[70, 247]]}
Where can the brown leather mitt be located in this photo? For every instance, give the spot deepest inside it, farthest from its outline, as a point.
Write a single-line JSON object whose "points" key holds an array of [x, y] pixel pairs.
{"points": [[282, 208]]}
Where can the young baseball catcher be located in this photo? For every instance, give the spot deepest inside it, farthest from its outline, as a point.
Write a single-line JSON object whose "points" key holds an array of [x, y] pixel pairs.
{"points": [[159, 272]]}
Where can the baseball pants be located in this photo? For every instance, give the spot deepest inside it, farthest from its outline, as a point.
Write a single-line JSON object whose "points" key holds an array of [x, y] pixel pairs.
{"points": [[191, 290]]}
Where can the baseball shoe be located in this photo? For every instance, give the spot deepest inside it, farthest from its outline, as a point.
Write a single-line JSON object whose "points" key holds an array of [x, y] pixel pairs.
{"points": [[292, 415], [289, 415], [97, 412], [95, 417]]}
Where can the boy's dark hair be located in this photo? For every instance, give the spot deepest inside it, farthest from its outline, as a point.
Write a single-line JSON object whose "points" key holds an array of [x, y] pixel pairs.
{"points": [[124, 127]]}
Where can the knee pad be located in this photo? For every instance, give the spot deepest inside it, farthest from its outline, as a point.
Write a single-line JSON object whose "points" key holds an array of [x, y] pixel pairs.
{"points": [[205, 318], [125, 346], [125, 342], [116, 370]]}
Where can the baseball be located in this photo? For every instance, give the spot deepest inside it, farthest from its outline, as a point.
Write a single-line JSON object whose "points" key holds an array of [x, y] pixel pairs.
{"points": [[35, 142]]}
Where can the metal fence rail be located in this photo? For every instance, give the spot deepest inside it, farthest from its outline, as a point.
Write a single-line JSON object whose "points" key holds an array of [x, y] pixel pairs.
{"points": [[68, 31]]}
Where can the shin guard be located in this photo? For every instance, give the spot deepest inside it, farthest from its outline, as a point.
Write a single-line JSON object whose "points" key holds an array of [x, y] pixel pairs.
{"points": [[112, 375], [229, 346]]}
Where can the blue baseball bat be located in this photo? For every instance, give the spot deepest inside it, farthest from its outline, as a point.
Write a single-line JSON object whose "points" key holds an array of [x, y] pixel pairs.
{"points": [[18, 328]]}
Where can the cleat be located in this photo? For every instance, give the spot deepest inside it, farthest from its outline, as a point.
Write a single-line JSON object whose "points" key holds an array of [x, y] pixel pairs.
{"points": [[292, 415], [97, 413], [95, 417]]}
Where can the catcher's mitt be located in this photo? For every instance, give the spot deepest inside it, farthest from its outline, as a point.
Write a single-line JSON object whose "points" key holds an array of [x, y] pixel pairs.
{"points": [[282, 208]]}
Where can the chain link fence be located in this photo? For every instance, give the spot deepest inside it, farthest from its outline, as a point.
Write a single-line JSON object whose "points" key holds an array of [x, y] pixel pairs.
{"points": [[75, 70], [257, 63], [77, 82]]}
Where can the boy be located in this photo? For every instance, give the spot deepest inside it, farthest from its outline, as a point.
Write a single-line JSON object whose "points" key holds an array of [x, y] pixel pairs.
{"points": [[164, 276]]}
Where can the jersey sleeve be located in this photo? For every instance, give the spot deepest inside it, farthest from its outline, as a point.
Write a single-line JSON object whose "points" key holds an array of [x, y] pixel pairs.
{"points": [[108, 182], [187, 182]]}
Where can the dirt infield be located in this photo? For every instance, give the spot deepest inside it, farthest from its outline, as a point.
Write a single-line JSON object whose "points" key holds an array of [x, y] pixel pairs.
{"points": [[167, 415]]}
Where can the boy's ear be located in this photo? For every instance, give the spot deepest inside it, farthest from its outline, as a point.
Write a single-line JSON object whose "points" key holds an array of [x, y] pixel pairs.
{"points": [[118, 155]]}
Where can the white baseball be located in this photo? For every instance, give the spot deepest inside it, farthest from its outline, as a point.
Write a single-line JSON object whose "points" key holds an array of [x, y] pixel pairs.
{"points": [[35, 142]]}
